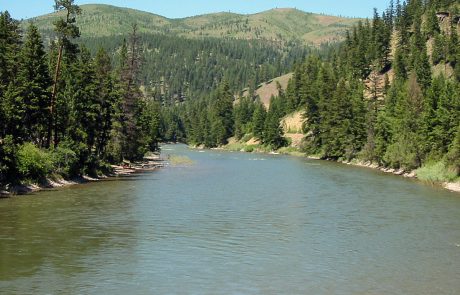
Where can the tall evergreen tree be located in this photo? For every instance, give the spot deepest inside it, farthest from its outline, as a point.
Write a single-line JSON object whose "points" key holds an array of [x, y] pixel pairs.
{"points": [[10, 42], [33, 87], [258, 120], [131, 98], [66, 29]]}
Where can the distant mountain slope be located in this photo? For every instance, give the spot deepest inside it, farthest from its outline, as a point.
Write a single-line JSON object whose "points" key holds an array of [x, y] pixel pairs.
{"points": [[276, 25], [189, 57]]}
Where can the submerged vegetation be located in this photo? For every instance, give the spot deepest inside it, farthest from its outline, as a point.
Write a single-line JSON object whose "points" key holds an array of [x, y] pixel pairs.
{"points": [[177, 160]]}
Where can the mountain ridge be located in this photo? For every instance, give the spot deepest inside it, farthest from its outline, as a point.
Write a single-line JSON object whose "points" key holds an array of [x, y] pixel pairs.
{"points": [[281, 25]]}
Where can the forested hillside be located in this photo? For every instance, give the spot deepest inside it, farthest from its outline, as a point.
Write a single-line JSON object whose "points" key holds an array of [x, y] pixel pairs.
{"points": [[277, 26], [186, 58], [389, 95], [176, 69]]}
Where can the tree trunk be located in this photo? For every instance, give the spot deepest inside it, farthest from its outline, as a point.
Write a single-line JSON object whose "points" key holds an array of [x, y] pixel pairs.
{"points": [[53, 99]]}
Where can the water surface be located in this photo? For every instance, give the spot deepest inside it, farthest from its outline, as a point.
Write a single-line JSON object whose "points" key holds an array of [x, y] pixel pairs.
{"points": [[234, 223]]}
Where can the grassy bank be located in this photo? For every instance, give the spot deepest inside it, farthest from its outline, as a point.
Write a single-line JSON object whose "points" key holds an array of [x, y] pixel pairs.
{"points": [[437, 172]]}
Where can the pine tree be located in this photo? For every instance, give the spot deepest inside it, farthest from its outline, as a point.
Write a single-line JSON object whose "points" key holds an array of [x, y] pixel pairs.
{"points": [[243, 112], [258, 120], [10, 42], [439, 46], [33, 86], [107, 97], [400, 65], [225, 108], [131, 96], [432, 24], [86, 108], [453, 156], [273, 132], [453, 45], [406, 151], [66, 30]]}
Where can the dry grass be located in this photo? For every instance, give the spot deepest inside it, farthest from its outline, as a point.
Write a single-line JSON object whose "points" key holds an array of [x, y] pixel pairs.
{"points": [[277, 25], [267, 90], [293, 123]]}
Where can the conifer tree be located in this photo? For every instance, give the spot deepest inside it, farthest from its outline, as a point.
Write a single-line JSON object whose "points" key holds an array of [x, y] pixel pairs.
{"points": [[131, 96], [273, 132], [107, 97], [10, 42], [33, 85], [432, 24], [258, 120], [66, 30], [453, 156]]}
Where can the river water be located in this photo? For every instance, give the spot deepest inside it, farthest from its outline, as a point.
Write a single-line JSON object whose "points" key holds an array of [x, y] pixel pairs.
{"points": [[234, 223]]}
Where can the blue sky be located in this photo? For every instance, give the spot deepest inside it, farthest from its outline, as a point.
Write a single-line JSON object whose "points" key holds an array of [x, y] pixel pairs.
{"points": [[183, 8]]}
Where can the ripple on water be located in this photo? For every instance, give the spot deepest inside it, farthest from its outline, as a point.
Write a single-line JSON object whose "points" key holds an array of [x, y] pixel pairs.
{"points": [[235, 223]]}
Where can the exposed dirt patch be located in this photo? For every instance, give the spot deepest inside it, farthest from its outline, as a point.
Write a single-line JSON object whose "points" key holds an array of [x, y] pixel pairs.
{"points": [[269, 89], [296, 139], [292, 127], [293, 123], [253, 141]]}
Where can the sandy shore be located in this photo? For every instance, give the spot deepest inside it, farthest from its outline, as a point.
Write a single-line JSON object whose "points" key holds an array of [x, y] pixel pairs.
{"points": [[149, 164], [452, 186]]}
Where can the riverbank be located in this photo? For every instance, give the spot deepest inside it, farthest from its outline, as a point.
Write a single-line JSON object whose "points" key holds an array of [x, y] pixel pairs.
{"points": [[127, 169], [255, 147], [451, 186]]}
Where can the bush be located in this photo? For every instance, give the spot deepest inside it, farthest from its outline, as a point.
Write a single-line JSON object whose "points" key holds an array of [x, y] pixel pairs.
{"points": [[65, 161], [402, 154], [249, 148], [33, 163], [436, 172]]}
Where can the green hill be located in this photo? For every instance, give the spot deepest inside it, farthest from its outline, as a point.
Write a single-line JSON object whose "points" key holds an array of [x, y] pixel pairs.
{"points": [[276, 25], [189, 57]]}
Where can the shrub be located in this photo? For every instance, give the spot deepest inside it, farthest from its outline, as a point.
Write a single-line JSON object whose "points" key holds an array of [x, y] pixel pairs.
{"points": [[436, 172], [33, 163], [65, 161], [249, 149], [402, 154]]}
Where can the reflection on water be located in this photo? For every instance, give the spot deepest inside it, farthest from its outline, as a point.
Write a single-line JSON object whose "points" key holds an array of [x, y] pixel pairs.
{"points": [[234, 223]]}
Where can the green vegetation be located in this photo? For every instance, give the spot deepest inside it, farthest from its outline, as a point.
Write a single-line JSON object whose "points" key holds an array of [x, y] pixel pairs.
{"points": [[87, 115], [376, 97], [436, 172], [275, 26], [177, 160], [389, 94], [188, 58], [402, 122], [176, 69], [33, 163]]}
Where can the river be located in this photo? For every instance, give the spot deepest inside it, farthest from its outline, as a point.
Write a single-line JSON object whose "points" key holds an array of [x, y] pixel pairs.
{"points": [[234, 223]]}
